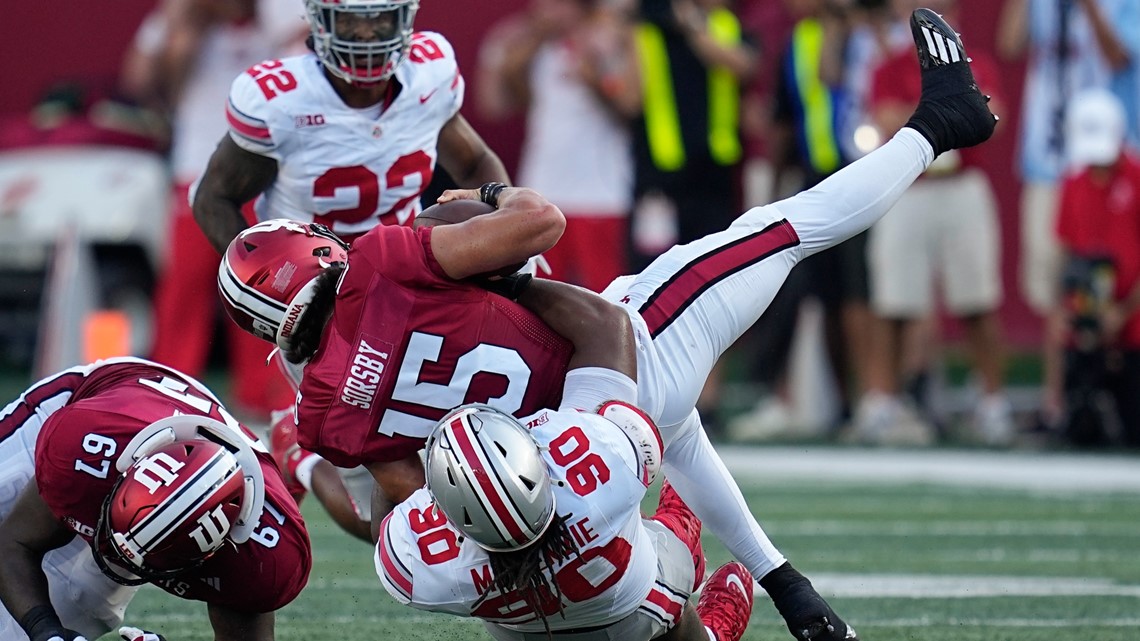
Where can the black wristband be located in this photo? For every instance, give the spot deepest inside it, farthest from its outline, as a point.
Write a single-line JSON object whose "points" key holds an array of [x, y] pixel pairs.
{"points": [[776, 582], [39, 620], [489, 193]]}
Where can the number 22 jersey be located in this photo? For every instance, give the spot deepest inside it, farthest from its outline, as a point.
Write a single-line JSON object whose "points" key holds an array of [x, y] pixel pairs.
{"points": [[346, 168]]}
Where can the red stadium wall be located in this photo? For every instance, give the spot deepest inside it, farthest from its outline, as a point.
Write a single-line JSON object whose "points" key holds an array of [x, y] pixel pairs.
{"points": [[71, 41]]}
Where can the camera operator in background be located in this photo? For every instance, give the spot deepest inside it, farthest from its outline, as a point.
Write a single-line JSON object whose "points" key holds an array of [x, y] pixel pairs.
{"points": [[1092, 364]]}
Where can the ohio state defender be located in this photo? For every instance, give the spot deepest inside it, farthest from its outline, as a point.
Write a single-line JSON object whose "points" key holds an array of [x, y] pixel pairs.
{"points": [[140, 475], [349, 135]]}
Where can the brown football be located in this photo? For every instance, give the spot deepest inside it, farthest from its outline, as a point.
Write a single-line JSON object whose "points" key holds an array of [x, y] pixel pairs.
{"points": [[454, 211]]}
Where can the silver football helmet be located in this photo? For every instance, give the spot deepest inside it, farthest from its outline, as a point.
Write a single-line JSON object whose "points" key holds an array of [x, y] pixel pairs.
{"points": [[361, 41], [487, 475]]}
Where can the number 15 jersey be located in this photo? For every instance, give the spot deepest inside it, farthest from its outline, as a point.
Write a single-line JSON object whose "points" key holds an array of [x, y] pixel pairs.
{"points": [[405, 344], [346, 168]]}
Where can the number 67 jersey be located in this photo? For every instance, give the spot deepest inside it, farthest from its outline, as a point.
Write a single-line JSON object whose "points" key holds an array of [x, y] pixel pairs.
{"points": [[86, 415], [349, 169], [424, 562]]}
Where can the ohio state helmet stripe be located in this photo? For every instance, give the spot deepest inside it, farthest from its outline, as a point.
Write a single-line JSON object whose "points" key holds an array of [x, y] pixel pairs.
{"points": [[480, 474], [176, 508], [676, 294]]}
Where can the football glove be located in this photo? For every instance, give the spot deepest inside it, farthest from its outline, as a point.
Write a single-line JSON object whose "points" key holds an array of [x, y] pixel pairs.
{"points": [[134, 634], [506, 286], [808, 616]]}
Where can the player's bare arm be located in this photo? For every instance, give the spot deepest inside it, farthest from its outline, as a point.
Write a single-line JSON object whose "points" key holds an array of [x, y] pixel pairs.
{"points": [[466, 157], [231, 625], [233, 177], [599, 330], [29, 532], [525, 225], [397, 480], [330, 491]]}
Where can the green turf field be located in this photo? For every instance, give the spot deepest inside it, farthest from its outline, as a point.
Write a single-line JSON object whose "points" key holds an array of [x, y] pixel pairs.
{"points": [[902, 556]]}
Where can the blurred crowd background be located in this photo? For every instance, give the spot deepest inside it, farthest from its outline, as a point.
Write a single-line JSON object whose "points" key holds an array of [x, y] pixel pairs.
{"points": [[997, 305]]}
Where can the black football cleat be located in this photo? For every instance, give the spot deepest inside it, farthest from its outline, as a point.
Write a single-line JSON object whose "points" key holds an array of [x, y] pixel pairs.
{"points": [[952, 112], [806, 613]]}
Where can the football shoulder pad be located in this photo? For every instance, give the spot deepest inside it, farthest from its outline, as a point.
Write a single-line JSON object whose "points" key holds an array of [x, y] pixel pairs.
{"points": [[641, 432]]}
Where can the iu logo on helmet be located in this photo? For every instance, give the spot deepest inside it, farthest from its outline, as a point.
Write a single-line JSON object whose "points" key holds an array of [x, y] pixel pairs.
{"points": [[212, 528], [157, 470]]}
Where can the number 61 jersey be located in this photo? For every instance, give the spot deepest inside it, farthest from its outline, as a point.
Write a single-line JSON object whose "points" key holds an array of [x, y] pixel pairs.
{"points": [[93, 412], [349, 169], [424, 562]]}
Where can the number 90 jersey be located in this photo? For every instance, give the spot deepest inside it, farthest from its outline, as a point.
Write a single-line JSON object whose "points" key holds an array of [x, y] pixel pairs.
{"points": [[107, 404], [346, 168], [424, 562]]}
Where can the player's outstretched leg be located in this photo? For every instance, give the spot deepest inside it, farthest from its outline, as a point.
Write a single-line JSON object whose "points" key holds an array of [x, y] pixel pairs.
{"points": [[726, 602], [952, 112]]}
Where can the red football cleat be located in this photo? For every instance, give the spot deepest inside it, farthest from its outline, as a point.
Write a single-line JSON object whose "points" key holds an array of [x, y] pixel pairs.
{"points": [[286, 452], [726, 601], [675, 515]]}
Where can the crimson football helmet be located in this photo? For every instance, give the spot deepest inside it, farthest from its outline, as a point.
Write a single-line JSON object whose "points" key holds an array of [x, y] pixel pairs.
{"points": [[268, 273], [361, 41], [486, 474], [189, 485]]}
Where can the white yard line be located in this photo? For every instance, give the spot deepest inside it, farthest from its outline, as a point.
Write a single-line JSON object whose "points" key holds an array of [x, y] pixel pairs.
{"points": [[1006, 470], [925, 586]]}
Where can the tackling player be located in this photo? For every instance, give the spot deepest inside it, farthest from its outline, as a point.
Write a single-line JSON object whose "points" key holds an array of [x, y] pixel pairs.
{"points": [[409, 336], [125, 472], [537, 529]]}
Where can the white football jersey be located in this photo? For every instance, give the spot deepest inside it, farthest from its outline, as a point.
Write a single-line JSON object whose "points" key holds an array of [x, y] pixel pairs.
{"points": [[346, 168], [424, 562]]}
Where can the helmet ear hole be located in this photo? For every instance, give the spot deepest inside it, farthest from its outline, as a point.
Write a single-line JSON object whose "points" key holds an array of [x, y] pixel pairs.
{"points": [[249, 246]]}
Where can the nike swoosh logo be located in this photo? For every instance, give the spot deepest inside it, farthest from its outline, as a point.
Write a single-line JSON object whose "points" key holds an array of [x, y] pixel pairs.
{"points": [[424, 98], [734, 580]]}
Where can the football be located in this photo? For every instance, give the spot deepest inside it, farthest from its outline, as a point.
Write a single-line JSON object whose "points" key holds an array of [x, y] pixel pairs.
{"points": [[454, 211]]}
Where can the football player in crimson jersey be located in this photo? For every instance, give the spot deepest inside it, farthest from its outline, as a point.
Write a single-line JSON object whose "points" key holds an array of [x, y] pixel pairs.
{"points": [[348, 135], [537, 529], [393, 332], [124, 472]]}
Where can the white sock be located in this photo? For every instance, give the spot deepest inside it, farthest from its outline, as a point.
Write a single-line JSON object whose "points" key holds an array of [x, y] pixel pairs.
{"points": [[303, 473], [695, 471]]}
